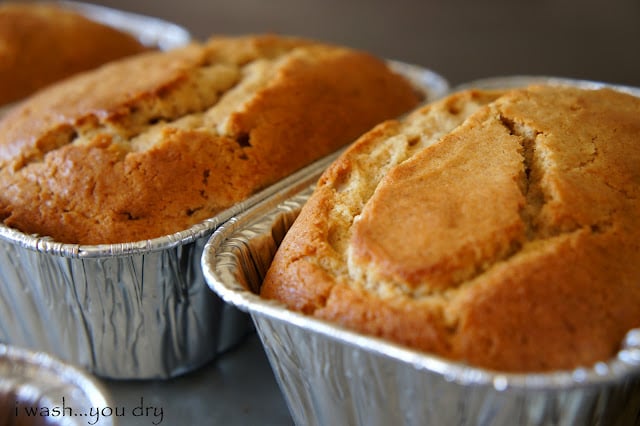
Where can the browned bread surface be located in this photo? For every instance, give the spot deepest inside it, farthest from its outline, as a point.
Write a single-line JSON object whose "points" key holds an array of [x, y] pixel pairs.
{"points": [[150, 145], [41, 43], [498, 229]]}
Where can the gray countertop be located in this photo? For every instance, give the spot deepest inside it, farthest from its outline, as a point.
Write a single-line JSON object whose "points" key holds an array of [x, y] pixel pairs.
{"points": [[237, 389]]}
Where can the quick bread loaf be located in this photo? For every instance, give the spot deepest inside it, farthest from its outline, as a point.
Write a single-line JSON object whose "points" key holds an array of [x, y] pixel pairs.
{"points": [[44, 42], [151, 145], [494, 228]]}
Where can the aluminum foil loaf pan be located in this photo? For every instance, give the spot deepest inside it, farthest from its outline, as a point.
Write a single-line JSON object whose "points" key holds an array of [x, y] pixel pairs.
{"points": [[330, 375], [123, 311], [135, 310], [37, 389]]}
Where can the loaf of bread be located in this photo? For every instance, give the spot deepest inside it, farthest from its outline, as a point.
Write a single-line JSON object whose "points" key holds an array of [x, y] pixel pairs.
{"points": [[494, 228], [151, 145], [42, 42]]}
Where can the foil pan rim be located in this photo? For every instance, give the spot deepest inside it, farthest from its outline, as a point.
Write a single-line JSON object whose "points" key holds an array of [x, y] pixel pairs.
{"points": [[217, 257], [520, 80], [28, 360]]}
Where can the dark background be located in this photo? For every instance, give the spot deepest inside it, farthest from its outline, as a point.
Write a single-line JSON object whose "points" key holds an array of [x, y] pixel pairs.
{"points": [[462, 40]]}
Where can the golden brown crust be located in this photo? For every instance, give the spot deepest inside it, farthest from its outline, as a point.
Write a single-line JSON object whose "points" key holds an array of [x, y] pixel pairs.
{"points": [[503, 235], [150, 145], [42, 43]]}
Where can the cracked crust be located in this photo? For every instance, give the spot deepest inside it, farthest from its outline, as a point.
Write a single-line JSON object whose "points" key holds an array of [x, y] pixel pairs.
{"points": [[43, 43], [148, 146], [493, 228]]}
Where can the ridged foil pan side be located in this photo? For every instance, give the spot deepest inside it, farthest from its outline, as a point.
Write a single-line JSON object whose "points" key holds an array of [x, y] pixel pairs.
{"points": [[61, 393], [123, 311], [330, 375], [138, 316], [134, 310]]}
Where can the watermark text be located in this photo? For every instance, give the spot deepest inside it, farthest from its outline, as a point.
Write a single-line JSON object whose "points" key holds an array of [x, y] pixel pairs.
{"points": [[93, 415]]}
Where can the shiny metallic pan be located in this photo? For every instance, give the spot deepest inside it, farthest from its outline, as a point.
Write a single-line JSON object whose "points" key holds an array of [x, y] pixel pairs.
{"points": [[93, 305], [330, 375], [37, 389], [134, 310]]}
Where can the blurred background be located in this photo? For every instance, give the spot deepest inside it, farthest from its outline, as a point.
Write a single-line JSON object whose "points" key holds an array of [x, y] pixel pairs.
{"points": [[462, 40]]}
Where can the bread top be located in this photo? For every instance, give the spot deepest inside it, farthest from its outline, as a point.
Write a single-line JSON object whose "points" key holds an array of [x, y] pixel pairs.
{"points": [[496, 228], [151, 145], [41, 43]]}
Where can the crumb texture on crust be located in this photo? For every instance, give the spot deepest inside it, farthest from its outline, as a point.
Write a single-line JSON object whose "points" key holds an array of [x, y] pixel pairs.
{"points": [[42, 43], [151, 145], [499, 229]]}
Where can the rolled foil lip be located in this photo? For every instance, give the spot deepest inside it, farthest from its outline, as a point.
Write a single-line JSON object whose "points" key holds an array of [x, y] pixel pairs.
{"points": [[429, 83], [514, 81], [39, 379], [150, 31], [225, 274]]}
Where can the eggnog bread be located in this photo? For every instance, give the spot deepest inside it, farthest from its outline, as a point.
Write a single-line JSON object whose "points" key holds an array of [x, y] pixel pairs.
{"points": [[497, 228], [151, 145]]}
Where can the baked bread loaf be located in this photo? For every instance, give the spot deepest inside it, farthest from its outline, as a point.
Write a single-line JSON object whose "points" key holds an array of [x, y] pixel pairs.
{"points": [[41, 43], [151, 145], [495, 228]]}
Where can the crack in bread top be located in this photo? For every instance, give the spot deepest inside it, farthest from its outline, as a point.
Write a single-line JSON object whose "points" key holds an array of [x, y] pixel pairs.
{"points": [[500, 181], [151, 145], [494, 228]]}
